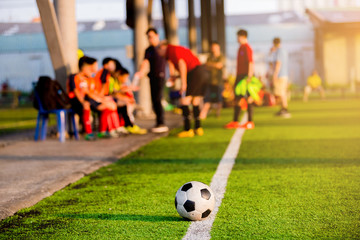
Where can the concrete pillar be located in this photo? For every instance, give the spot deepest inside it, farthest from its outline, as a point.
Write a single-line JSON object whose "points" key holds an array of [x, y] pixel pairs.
{"points": [[319, 53], [149, 12], [170, 21], [53, 39], [351, 61], [65, 12], [220, 20], [140, 44], [192, 27], [205, 41], [166, 20], [212, 18], [173, 24]]}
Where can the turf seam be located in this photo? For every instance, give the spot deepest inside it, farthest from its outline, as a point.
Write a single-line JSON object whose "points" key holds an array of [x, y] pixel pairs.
{"points": [[201, 229]]}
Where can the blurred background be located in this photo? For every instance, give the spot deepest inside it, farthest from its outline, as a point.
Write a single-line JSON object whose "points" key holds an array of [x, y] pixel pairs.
{"points": [[317, 34]]}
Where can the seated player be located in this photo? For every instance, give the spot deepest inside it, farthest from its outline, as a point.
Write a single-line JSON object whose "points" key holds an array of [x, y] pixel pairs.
{"points": [[116, 88], [104, 74], [83, 92]]}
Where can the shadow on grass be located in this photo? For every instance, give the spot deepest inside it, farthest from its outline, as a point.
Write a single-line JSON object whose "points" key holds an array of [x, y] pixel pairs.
{"points": [[122, 217]]}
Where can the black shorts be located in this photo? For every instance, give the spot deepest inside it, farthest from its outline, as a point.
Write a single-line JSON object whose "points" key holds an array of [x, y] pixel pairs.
{"points": [[76, 106], [213, 94], [197, 80], [93, 104]]}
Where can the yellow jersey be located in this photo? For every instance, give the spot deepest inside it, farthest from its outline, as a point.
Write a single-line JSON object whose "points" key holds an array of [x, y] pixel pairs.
{"points": [[314, 81]]}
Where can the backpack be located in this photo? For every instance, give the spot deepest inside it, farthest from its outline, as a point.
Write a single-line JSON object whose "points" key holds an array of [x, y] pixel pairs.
{"points": [[51, 94]]}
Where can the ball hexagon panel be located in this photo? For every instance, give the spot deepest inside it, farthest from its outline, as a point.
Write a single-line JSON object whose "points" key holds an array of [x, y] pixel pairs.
{"points": [[181, 210], [206, 213], [186, 187], [189, 206], [205, 193]]}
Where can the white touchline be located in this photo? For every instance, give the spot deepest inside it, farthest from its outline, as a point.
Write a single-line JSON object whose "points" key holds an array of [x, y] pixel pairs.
{"points": [[201, 229]]}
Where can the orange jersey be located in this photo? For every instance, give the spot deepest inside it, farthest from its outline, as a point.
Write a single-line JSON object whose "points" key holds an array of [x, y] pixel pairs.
{"points": [[102, 78], [81, 84], [92, 86]]}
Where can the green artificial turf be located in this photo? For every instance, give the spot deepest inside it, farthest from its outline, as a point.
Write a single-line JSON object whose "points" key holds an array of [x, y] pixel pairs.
{"points": [[15, 119], [296, 178], [132, 199], [18, 119]]}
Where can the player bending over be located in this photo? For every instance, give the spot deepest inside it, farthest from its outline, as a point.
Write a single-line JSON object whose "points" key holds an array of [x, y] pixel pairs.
{"points": [[193, 77]]}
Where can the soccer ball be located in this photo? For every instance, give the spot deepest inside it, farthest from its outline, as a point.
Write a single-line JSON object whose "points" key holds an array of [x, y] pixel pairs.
{"points": [[194, 201]]}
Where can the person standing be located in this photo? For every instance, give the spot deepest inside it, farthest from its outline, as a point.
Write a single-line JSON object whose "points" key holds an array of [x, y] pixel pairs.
{"points": [[280, 77], [194, 77], [215, 64], [313, 83], [156, 64], [245, 72]]}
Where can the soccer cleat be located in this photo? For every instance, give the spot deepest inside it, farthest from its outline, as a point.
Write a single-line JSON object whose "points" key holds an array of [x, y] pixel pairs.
{"points": [[248, 125], [136, 130], [178, 111], [103, 135], [199, 131], [113, 134], [186, 134], [161, 128], [232, 125], [122, 130], [286, 115], [283, 113], [90, 137]]}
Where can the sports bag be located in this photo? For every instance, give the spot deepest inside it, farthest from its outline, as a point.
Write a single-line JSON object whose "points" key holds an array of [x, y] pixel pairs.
{"points": [[52, 96]]}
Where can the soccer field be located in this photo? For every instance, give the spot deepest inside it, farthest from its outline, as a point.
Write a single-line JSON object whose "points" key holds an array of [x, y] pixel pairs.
{"points": [[295, 178], [12, 120]]}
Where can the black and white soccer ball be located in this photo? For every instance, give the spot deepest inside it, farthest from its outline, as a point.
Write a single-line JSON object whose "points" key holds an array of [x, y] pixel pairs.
{"points": [[195, 201]]}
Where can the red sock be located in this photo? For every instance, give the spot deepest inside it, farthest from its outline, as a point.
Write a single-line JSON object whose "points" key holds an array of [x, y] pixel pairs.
{"points": [[87, 123], [115, 119], [103, 121], [122, 122], [109, 120]]}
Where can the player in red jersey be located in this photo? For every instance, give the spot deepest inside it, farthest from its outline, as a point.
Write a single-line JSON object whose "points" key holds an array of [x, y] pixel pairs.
{"points": [[245, 72], [193, 77]]}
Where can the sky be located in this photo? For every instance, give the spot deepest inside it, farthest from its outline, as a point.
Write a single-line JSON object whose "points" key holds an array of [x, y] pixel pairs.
{"points": [[94, 10], [90, 10]]}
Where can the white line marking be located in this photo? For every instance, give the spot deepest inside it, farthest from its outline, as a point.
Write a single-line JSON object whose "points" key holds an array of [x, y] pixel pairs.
{"points": [[201, 229]]}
